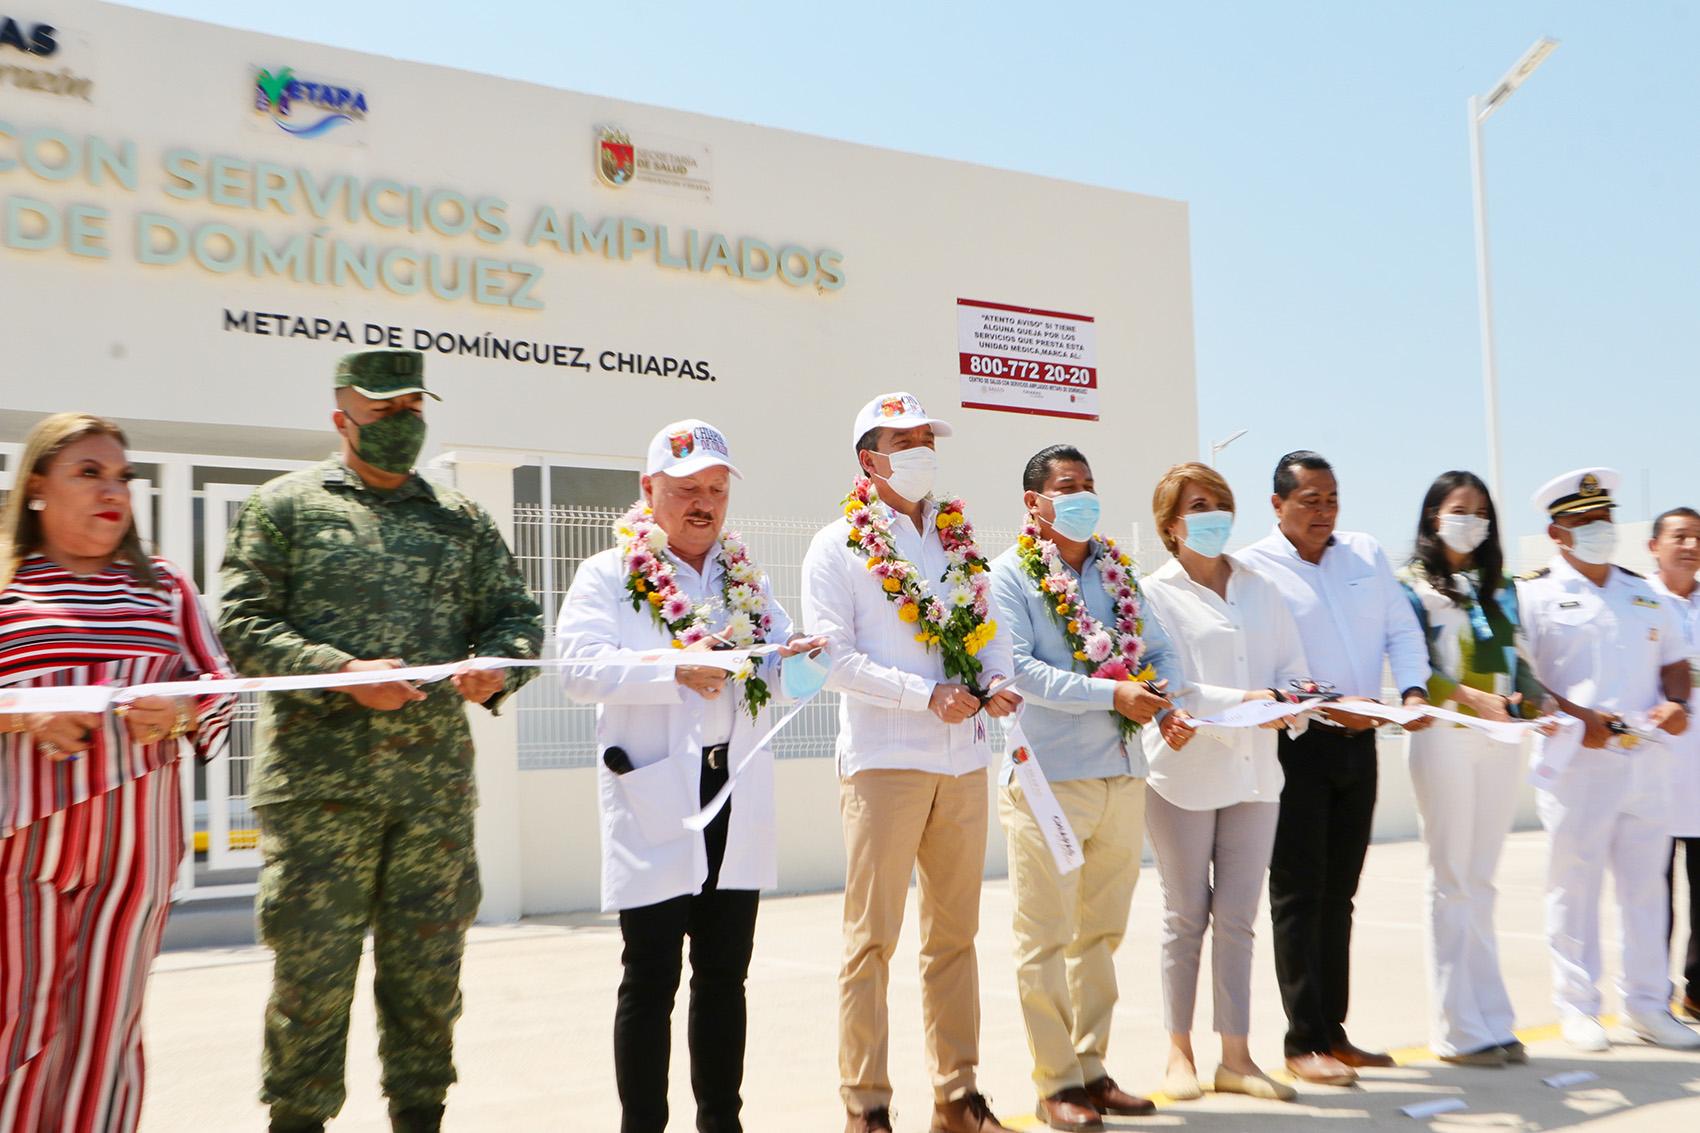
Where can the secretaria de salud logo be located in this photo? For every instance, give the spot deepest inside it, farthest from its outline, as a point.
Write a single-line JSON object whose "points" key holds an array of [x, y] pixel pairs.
{"points": [[303, 107]]}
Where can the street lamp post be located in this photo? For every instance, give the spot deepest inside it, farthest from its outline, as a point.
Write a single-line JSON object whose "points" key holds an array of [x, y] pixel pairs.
{"points": [[1481, 109], [1218, 446]]}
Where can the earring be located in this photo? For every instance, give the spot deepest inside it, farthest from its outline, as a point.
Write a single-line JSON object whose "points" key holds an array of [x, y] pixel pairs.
{"points": [[38, 504]]}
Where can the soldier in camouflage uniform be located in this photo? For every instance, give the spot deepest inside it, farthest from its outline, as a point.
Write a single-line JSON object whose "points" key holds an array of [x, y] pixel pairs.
{"points": [[365, 795]]}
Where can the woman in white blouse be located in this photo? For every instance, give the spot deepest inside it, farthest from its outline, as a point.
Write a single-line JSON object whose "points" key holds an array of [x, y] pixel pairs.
{"points": [[1211, 810]]}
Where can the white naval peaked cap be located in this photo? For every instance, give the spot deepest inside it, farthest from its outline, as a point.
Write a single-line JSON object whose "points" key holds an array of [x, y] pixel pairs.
{"points": [[1580, 489], [895, 411], [686, 447]]}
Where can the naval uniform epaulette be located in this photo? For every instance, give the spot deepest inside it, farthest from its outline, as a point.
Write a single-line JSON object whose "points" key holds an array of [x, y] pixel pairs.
{"points": [[1632, 574], [1534, 574]]}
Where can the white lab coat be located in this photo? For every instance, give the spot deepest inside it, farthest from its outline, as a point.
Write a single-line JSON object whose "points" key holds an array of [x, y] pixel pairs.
{"points": [[648, 855]]}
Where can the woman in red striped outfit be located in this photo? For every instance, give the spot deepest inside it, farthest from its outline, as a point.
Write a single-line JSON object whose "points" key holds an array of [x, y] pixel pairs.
{"points": [[91, 827]]}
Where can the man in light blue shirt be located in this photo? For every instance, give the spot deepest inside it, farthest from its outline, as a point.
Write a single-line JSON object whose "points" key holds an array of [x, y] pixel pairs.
{"points": [[1073, 669]]}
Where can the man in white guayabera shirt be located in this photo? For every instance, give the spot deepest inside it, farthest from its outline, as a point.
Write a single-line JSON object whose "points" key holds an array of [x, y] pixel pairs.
{"points": [[902, 595]]}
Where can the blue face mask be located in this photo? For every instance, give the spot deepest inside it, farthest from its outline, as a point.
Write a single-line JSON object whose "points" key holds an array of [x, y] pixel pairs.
{"points": [[802, 675], [1077, 515], [1207, 531]]}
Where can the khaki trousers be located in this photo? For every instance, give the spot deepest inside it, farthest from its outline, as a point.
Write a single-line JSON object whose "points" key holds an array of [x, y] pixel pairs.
{"points": [[1068, 926], [896, 822]]}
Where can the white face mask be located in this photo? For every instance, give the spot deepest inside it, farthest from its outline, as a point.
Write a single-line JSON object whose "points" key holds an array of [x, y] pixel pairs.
{"points": [[1594, 542], [912, 472], [1462, 533]]}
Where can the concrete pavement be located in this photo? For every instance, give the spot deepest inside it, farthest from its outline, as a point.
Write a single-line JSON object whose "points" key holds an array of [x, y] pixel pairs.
{"points": [[534, 1046]]}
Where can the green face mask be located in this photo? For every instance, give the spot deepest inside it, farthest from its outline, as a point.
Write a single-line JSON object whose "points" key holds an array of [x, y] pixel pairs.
{"points": [[391, 443]]}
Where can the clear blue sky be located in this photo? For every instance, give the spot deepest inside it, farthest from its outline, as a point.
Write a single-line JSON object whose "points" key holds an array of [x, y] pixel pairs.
{"points": [[1322, 148]]}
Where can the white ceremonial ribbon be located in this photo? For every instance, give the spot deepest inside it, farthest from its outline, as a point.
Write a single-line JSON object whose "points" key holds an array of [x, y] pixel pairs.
{"points": [[1250, 714], [1256, 713], [1376, 710], [1036, 790], [99, 698], [1505, 731], [700, 820]]}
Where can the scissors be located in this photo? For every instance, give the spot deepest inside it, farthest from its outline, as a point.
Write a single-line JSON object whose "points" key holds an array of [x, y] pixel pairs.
{"points": [[1307, 688]]}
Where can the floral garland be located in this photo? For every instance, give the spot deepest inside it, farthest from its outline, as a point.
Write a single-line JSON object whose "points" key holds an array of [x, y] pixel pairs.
{"points": [[958, 624], [1113, 654], [652, 583]]}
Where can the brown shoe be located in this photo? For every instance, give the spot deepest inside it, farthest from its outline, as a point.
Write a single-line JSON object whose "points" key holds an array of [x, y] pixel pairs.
{"points": [[967, 1114], [873, 1121], [1361, 1059], [1107, 1097], [1321, 1069], [1069, 1109]]}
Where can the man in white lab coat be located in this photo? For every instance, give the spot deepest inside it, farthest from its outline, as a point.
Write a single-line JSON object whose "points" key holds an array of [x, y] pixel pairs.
{"points": [[668, 738]]}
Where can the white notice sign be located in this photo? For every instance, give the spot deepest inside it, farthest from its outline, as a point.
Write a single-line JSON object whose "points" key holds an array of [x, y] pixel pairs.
{"points": [[1024, 360]]}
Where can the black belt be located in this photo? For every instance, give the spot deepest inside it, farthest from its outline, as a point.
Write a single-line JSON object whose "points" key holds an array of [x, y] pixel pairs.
{"points": [[714, 775]]}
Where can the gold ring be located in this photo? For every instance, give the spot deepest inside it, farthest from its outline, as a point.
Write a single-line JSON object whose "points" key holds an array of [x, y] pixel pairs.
{"points": [[48, 747]]}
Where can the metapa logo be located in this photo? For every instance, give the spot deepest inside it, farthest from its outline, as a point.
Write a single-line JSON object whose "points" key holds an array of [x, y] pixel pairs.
{"points": [[303, 107]]}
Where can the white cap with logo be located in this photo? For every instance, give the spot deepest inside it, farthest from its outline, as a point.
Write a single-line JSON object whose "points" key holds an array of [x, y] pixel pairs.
{"points": [[685, 448], [895, 411]]}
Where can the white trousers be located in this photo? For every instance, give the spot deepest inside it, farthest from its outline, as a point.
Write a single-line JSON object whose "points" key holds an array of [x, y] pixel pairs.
{"points": [[1466, 792], [1589, 827]]}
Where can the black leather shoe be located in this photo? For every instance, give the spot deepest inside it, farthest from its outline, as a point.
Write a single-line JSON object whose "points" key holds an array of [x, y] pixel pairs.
{"points": [[417, 1119]]}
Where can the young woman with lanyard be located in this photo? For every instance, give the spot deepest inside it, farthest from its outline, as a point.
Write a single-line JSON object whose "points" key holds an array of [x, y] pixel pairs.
{"points": [[1465, 781]]}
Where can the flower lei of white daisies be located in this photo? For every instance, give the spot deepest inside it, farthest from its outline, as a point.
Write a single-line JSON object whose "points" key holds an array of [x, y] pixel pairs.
{"points": [[652, 583], [1111, 654]]}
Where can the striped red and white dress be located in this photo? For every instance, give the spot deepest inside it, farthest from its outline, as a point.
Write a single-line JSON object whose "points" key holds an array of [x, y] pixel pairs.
{"points": [[57, 628], [89, 847]]}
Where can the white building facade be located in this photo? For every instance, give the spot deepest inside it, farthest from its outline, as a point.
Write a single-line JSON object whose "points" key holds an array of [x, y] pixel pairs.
{"points": [[195, 222]]}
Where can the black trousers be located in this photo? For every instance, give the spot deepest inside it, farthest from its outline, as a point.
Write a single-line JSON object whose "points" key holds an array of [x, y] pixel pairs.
{"points": [[721, 927], [1689, 850], [1327, 807]]}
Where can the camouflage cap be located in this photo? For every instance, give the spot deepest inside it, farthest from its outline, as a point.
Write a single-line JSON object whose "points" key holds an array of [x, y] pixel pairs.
{"points": [[383, 374]]}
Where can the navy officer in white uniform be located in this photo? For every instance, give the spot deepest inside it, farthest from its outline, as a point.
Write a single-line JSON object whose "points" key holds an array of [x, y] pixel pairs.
{"points": [[1611, 651]]}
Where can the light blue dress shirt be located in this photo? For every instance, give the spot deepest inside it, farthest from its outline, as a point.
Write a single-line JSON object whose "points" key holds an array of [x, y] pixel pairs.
{"points": [[1069, 719]]}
